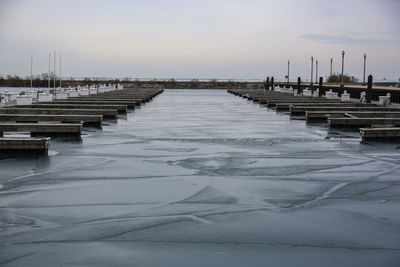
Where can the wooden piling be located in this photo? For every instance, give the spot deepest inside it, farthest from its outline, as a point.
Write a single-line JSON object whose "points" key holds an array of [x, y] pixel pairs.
{"points": [[299, 89], [368, 95], [320, 86]]}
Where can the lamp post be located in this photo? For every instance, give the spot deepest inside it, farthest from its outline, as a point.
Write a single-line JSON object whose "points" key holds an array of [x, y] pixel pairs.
{"points": [[288, 64], [48, 76], [331, 67], [365, 60], [312, 64], [54, 72], [316, 70], [60, 72], [341, 78], [31, 69]]}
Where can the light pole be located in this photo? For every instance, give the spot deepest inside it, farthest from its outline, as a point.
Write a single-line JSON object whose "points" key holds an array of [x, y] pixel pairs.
{"points": [[60, 71], [31, 69], [331, 67], [54, 72], [365, 60], [316, 70], [341, 78], [288, 64], [312, 64], [48, 78]]}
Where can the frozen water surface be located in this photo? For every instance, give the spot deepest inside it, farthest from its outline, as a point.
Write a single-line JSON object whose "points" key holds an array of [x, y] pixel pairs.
{"points": [[203, 178]]}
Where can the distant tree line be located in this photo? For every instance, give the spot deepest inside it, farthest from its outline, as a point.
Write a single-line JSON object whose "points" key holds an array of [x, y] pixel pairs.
{"points": [[336, 78], [42, 81]]}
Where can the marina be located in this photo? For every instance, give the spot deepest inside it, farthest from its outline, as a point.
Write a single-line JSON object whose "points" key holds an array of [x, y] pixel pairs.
{"points": [[203, 171], [61, 118], [206, 133], [344, 113]]}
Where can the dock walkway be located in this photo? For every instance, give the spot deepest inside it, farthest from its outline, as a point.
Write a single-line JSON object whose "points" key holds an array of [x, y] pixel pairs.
{"points": [[65, 117], [383, 121]]}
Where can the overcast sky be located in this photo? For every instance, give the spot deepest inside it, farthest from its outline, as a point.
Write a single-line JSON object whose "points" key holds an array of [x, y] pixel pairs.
{"points": [[240, 39]]}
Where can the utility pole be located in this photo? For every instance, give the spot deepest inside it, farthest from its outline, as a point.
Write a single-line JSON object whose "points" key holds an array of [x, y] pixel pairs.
{"points": [[48, 78], [312, 64], [31, 69], [60, 72], [54, 70], [341, 78], [365, 60]]}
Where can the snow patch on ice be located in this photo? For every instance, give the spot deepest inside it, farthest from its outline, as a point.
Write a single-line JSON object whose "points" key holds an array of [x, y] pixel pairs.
{"points": [[52, 153], [210, 195]]}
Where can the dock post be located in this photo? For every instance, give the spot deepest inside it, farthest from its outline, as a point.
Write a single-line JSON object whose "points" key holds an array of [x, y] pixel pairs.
{"points": [[267, 84], [299, 90], [272, 83], [321, 79], [369, 90]]}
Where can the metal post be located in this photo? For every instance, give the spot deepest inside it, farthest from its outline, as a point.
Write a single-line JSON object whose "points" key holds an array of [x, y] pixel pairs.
{"points": [[31, 69], [341, 78], [288, 64], [316, 70], [321, 79], [365, 59], [299, 90], [368, 95], [54, 71], [312, 64], [48, 78], [331, 67], [267, 84], [60, 71]]}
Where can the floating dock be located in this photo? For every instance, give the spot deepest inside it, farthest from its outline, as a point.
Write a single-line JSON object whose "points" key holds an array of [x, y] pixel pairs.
{"points": [[119, 108], [16, 145], [106, 113], [384, 121], [43, 129], [86, 119], [380, 134], [66, 117]]}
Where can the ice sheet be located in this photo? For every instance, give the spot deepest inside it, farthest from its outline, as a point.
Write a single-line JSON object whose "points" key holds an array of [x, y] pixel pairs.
{"points": [[203, 178]]}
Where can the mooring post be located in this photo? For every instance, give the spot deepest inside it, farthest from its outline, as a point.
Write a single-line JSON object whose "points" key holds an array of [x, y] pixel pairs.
{"points": [[299, 90], [369, 90], [321, 79], [272, 83], [267, 84]]}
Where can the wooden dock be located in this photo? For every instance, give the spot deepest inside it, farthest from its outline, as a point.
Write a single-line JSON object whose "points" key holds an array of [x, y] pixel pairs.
{"points": [[119, 108], [128, 103], [383, 121], [301, 110], [380, 134], [362, 122], [106, 113], [66, 117], [85, 119], [23, 145], [324, 115], [42, 129], [287, 105]]}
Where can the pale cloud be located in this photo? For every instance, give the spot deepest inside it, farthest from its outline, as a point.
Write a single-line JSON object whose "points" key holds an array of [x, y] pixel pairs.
{"points": [[347, 40]]}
